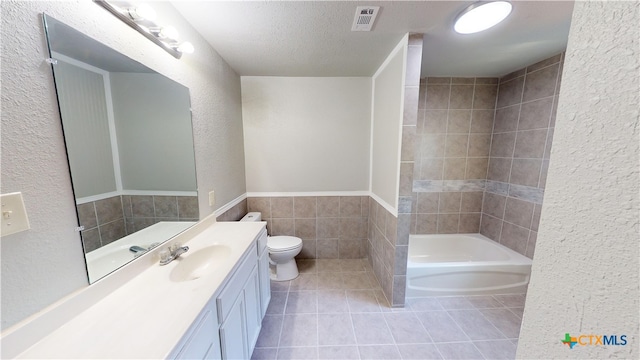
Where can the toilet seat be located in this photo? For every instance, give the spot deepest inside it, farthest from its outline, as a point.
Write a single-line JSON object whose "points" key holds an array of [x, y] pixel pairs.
{"points": [[283, 243]]}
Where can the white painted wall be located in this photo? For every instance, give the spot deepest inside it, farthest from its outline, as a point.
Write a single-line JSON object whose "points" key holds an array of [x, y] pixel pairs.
{"points": [[43, 264], [306, 134], [585, 269], [388, 107]]}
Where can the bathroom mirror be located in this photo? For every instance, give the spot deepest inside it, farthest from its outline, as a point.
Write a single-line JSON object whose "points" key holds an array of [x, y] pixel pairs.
{"points": [[129, 142]]}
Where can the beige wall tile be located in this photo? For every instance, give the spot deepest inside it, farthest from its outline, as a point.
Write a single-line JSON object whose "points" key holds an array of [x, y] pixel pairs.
{"points": [[541, 83], [327, 249], [435, 121], [519, 212], [304, 207], [282, 226], [506, 119], [535, 114], [525, 172], [426, 224], [471, 202], [479, 145], [490, 226], [461, 97], [459, 122], [493, 205], [449, 202], [514, 237], [530, 144], [432, 146], [454, 168], [282, 207], [477, 168], [510, 92], [502, 144], [328, 206], [448, 223], [428, 203], [431, 169], [544, 63], [437, 96], [485, 96], [410, 113], [469, 223], [328, 228], [482, 121], [260, 204], [439, 80], [305, 228], [499, 169], [350, 206], [456, 145]]}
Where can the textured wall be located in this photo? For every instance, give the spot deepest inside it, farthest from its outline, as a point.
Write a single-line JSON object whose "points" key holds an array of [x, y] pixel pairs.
{"points": [[521, 143], [43, 264], [585, 272], [306, 134]]}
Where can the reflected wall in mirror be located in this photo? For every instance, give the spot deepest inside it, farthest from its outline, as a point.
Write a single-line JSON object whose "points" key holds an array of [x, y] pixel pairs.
{"points": [[129, 142]]}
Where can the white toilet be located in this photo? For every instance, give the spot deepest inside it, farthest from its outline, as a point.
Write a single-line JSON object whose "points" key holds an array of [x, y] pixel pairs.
{"points": [[282, 252]]}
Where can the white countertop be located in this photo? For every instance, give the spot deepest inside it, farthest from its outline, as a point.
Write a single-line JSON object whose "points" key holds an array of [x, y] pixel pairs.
{"points": [[146, 317]]}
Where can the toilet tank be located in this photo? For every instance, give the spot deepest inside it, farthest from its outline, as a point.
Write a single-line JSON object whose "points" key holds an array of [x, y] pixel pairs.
{"points": [[252, 216]]}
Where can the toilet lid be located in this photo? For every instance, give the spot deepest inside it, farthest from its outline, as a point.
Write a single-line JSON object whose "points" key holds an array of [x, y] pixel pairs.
{"points": [[282, 243]]}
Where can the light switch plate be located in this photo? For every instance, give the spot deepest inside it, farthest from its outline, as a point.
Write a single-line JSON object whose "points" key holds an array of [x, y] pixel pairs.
{"points": [[212, 198], [14, 215]]}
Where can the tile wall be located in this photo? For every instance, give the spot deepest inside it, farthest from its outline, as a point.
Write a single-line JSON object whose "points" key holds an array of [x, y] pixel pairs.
{"points": [[452, 155], [110, 219], [519, 157], [331, 227], [236, 212]]}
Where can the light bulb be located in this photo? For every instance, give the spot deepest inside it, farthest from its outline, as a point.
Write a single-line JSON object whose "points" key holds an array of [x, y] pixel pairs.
{"points": [[142, 12], [186, 48], [169, 33], [481, 16]]}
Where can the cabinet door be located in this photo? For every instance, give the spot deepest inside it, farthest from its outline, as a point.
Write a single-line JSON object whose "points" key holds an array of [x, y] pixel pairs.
{"points": [[265, 281], [254, 313], [233, 334], [204, 342]]}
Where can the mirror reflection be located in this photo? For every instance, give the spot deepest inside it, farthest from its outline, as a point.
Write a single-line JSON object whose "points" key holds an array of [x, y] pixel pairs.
{"points": [[129, 143]]}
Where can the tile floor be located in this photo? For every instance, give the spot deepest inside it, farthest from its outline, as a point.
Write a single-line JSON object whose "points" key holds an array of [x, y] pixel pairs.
{"points": [[335, 309]]}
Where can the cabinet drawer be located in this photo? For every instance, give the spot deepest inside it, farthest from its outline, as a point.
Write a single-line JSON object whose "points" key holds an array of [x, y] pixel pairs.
{"points": [[228, 296]]}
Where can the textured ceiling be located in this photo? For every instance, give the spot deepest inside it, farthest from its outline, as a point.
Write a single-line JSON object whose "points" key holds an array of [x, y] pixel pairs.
{"points": [[314, 38]]}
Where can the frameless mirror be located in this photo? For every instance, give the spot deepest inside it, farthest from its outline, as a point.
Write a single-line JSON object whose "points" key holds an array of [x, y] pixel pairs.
{"points": [[129, 142]]}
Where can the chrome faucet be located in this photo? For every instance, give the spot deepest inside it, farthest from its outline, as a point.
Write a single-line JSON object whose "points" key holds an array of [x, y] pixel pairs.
{"points": [[171, 253]]}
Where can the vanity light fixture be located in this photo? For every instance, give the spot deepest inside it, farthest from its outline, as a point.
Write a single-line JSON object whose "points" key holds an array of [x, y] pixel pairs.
{"points": [[141, 12], [481, 15], [141, 17]]}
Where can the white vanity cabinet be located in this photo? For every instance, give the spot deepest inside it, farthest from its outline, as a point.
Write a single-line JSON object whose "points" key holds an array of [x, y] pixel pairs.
{"points": [[229, 326]]}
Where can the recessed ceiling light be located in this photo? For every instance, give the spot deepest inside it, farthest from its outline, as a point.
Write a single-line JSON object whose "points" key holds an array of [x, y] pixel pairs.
{"points": [[481, 16]]}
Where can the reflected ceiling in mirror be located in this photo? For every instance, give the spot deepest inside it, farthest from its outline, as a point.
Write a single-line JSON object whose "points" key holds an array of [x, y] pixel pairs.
{"points": [[129, 143]]}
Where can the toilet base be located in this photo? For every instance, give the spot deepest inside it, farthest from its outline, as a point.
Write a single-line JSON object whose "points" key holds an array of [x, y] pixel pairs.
{"points": [[285, 271]]}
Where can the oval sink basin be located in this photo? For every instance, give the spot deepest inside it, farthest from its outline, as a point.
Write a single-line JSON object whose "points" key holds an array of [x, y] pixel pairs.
{"points": [[202, 262]]}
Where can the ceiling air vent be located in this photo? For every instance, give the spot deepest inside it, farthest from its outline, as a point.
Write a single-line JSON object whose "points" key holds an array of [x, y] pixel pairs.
{"points": [[365, 16]]}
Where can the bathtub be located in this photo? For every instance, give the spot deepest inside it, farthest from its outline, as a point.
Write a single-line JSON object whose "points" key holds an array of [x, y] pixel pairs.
{"points": [[464, 264]]}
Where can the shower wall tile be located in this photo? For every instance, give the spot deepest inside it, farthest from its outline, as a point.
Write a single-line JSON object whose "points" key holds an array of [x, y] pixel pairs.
{"points": [[520, 148], [452, 156]]}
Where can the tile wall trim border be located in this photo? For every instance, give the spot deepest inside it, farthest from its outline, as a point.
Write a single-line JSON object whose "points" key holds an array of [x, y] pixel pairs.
{"points": [[385, 205], [308, 193], [226, 207]]}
